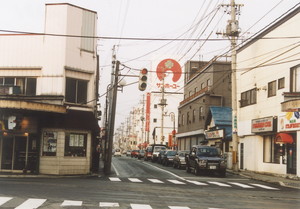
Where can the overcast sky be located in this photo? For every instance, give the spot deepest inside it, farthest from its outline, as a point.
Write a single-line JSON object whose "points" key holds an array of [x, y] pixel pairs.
{"points": [[160, 19]]}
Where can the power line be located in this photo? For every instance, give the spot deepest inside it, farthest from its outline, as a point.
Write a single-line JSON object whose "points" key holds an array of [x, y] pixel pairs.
{"points": [[135, 38]]}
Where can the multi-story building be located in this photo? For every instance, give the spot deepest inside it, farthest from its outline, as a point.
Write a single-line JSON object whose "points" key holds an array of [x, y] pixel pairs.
{"points": [[48, 95], [268, 90], [207, 85]]}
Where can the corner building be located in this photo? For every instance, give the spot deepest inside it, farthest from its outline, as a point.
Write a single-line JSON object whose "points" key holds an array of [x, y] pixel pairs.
{"points": [[48, 95]]}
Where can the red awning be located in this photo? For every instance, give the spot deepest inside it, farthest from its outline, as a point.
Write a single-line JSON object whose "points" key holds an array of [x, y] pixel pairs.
{"points": [[284, 138]]}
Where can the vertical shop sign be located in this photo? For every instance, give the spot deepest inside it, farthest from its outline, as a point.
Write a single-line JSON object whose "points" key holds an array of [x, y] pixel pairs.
{"points": [[148, 104]]}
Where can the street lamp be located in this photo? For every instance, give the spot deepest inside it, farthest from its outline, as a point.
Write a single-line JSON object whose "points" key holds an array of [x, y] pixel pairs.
{"points": [[172, 115]]}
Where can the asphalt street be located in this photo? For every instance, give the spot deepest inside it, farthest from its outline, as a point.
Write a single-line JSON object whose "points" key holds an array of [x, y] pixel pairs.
{"points": [[139, 184]]}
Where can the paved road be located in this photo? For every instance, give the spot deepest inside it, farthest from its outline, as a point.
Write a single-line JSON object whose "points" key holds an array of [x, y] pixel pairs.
{"points": [[144, 185]]}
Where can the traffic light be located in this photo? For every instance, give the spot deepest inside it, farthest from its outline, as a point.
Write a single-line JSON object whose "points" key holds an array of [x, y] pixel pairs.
{"points": [[143, 79]]}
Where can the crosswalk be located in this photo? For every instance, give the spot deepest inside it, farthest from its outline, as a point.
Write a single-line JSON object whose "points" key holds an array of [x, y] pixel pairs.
{"points": [[34, 203], [198, 183]]}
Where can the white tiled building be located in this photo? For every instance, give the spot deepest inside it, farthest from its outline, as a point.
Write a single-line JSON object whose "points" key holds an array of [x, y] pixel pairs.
{"points": [[268, 89], [48, 95]]}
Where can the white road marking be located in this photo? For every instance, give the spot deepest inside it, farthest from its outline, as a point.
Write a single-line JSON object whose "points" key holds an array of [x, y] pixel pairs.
{"points": [[175, 181], [156, 181], [197, 183], [114, 179], [71, 203], [31, 204], [136, 180], [115, 169], [241, 185], [219, 184], [165, 171], [4, 200], [264, 186], [140, 206], [178, 207], [109, 204]]}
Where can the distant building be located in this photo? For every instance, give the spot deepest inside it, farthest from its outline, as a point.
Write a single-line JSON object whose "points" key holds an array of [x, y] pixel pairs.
{"points": [[206, 85], [268, 92], [48, 95]]}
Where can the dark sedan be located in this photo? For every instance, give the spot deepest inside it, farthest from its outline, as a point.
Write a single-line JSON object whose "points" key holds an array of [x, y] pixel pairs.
{"points": [[168, 157]]}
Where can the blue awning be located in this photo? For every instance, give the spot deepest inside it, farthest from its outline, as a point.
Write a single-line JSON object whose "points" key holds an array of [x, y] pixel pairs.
{"points": [[222, 118]]}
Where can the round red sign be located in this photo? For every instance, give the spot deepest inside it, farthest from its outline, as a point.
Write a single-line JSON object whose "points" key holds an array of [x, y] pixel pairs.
{"points": [[169, 65]]}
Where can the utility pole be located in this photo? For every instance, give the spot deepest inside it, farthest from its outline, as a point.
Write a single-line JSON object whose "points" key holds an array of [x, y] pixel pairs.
{"points": [[232, 32], [112, 114], [162, 103], [143, 119]]}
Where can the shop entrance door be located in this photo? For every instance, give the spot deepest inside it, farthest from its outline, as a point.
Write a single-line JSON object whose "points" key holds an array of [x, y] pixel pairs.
{"points": [[7, 153], [291, 158], [13, 152], [20, 153]]}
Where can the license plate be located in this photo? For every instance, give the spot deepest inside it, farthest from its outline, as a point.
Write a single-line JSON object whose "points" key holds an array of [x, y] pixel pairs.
{"points": [[212, 167]]}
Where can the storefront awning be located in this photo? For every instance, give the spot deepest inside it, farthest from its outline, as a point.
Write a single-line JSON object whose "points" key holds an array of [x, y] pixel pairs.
{"points": [[221, 118], [284, 138]]}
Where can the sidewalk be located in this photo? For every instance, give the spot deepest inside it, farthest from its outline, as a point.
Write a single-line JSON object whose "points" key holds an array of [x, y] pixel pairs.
{"points": [[286, 181]]}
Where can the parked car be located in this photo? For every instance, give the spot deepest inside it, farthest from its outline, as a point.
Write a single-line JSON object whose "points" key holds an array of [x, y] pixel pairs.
{"points": [[179, 159], [117, 153], [152, 151], [205, 159], [168, 157], [128, 153], [160, 156], [134, 153], [141, 154]]}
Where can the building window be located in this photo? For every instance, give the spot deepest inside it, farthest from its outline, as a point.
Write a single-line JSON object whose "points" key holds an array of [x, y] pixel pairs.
{"points": [[18, 85], [75, 144], [272, 89], [194, 116], [88, 30], [281, 83], [155, 106], [49, 143], [154, 120], [196, 89], [272, 151], [202, 85], [182, 120], [201, 113], [208, 82], [188, 118], [76, 91], [248, 97], [295, 79], [190, 93]]}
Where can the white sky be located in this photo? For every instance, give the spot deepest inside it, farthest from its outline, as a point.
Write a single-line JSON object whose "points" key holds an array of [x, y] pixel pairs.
{"points": [[149, 19]]}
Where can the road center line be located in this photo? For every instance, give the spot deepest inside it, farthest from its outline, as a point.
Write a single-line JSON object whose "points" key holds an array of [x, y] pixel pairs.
{"points": [[166, 171]]}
